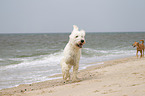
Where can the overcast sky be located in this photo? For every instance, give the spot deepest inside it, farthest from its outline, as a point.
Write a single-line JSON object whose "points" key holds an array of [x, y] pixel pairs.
{"points": [[42, 16]]}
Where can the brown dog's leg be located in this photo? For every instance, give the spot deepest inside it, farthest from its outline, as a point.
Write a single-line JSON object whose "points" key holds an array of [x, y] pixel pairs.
{"points": [[137, 54], [143, 52], [140, 53]]}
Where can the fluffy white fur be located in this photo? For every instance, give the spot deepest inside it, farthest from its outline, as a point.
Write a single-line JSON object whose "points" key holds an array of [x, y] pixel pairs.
{"points": [[72, 53]]}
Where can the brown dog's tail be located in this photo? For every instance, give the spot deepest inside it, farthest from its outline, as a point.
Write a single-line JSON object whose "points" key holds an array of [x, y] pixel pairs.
{"points": [[142, 41]]}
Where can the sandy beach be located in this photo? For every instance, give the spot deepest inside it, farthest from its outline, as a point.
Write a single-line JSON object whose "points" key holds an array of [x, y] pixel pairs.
{"points": [[121, 77]]}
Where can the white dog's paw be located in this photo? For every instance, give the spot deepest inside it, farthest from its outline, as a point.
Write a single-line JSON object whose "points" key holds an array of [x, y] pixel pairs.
{"points": [[66, 77], [76, 80]]}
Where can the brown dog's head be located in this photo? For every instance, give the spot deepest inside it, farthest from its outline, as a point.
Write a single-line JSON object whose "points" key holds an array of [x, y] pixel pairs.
{"points": [[135, 44]]}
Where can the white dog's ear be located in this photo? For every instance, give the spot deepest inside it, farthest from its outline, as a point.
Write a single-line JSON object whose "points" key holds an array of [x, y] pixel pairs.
{"points": [[82, 31], [75, 28]]}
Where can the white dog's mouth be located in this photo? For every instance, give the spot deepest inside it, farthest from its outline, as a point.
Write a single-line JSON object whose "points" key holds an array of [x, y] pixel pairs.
{"points": [[80, 45]]}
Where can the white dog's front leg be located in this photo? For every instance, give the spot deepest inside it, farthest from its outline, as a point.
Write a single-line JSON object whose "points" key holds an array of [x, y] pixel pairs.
{"points": [[66, 75], [65, 71], [75, 71]]}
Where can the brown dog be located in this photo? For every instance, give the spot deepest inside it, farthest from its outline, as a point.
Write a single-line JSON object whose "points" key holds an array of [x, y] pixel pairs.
{"points": [[139, 47]]}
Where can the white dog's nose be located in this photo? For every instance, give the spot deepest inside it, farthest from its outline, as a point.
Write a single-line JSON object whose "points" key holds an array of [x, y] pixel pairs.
{"points": [[82, 41]]}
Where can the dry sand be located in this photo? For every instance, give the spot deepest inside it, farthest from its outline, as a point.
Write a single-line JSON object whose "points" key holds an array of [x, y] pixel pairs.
{"points": [[121, 77]]}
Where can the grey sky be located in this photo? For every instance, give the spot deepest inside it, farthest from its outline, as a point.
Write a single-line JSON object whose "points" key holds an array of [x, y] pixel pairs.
{"points": [[22, 16]]}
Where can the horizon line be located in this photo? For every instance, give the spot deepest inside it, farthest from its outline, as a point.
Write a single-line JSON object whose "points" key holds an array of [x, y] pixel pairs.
{"points": [[69, 32]]}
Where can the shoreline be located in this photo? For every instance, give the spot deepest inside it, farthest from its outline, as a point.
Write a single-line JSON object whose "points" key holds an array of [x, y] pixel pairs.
{"points": [[90, 73], [99, 63], [52, 76]]}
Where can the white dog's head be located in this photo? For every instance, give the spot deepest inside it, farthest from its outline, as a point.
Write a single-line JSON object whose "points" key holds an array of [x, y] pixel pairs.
{"points": [[77, 38]]}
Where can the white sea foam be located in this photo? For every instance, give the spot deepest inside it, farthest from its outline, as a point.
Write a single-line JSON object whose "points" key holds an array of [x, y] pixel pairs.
{"points": [[44, 60], [1, 59], [96, 52], [97, 55]]}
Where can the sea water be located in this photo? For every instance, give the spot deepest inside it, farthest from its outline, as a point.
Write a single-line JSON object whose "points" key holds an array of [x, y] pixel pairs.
{"points": [[29, 58]]}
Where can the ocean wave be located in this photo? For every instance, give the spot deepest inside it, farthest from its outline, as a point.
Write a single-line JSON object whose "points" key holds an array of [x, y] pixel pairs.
{"points": [[90, 55], [1, 59], [31, 55], [98, 52], [42, 60]]}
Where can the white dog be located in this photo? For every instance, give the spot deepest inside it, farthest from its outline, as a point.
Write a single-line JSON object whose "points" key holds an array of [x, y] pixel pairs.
{"points": [[72, 53]]}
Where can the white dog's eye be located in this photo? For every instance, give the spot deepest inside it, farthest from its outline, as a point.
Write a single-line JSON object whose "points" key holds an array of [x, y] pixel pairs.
{"points": [[76, 36]]}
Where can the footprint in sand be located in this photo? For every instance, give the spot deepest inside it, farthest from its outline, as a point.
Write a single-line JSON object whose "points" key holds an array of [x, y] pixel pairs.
{"points": [[135, 84], [109, 91], [96, 91], [73, 86], [106, 91], [50, 91], [135, 73], [118, 85]]}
